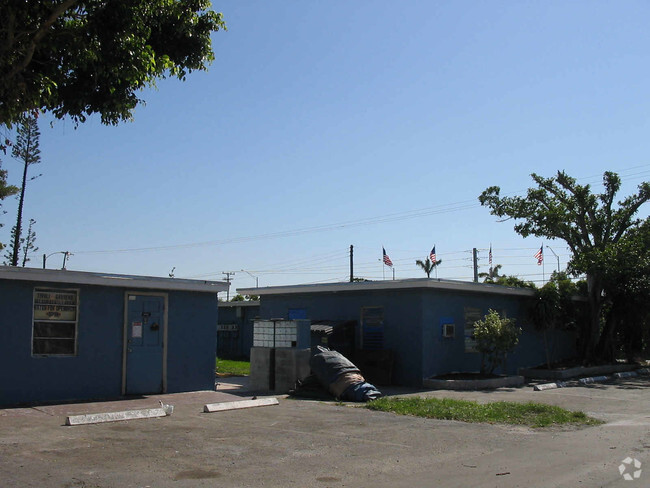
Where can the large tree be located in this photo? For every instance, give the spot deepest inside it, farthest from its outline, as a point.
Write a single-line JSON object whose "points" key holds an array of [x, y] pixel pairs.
{"points": [[627, 286], [27, 151], [593, 226], [80, 57]]}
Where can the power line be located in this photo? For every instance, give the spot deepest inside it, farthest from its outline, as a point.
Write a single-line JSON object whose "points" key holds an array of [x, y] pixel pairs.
{"points": [[398, 216]]}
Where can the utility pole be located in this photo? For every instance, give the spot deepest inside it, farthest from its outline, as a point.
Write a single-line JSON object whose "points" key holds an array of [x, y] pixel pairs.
{"points": [[228, 275], [351, 263], [66, 255], [556, 256], [475, 259]]}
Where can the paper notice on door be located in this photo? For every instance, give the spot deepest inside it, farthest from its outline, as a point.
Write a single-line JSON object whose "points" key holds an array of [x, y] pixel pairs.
{"points": [[136, 329]]}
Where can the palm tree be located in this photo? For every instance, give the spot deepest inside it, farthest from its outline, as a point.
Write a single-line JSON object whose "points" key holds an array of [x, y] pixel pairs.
{"points": [[427, 265], [492, 276]]}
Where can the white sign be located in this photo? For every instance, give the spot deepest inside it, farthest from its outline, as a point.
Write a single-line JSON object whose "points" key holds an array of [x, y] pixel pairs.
{"points": [[136, 330]]}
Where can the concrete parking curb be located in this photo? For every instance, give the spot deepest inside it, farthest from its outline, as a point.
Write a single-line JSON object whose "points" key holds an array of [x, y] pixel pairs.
{"points": [[98, 418], [591, 379], [258, 402], [550, 386]]}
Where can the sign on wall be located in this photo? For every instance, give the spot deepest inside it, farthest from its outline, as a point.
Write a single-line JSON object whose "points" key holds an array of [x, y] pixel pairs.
{"points": [[55, 305]]}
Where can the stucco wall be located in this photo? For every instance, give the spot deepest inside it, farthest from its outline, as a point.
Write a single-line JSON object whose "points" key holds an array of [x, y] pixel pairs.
{"points": [[402, 321], [96, 370], [228, 315], [412, 321], [192, 338]]}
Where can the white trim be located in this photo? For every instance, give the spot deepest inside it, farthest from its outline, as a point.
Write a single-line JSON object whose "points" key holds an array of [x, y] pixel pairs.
{"points": [[409, 284], [107, 279], [125, 334]]}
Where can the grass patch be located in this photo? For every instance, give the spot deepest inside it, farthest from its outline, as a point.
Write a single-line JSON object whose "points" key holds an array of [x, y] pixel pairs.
{"points": [[529, 414], [233, 368]]}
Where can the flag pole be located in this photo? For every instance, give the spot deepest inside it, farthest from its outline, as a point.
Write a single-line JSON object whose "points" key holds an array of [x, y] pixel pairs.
{"points": [[490, 259], [543, 264]]}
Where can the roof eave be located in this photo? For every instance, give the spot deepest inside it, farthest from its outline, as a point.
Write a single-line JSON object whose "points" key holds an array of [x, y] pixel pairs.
{"points": [[422, 283], [108, 279]]}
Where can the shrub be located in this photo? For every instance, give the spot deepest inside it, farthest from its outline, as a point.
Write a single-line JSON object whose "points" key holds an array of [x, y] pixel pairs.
{"points": [[495, 338]]}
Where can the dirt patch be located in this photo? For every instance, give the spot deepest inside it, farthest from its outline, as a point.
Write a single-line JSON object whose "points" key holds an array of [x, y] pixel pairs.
{"points": [[196, 474]]}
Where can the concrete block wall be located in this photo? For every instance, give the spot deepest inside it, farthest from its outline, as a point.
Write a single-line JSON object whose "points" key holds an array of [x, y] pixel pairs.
{"points": [[277, 369], [290, 365], [259, 378]]}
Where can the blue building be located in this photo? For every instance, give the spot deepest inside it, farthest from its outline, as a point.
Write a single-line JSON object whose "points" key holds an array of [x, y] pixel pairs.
{"points": [[67, 335], [416, 328], [235, 329]]}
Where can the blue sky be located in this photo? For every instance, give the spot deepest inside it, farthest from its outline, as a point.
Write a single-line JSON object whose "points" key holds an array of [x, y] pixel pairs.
{"points": [[326, 124]]}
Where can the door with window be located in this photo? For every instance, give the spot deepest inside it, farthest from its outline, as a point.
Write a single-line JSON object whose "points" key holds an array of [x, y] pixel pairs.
{"points": [[145, 344]]}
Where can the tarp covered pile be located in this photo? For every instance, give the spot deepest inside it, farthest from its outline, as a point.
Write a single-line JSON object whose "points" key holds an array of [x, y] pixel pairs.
{"points": [[340, 377]]}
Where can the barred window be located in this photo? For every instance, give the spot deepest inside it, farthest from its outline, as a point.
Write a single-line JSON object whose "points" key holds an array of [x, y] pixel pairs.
{"points": [[55, 322]]}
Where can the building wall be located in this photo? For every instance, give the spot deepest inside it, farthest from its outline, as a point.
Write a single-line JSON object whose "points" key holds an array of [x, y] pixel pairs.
{"points": [[402, 321], [96, 370], [444, 355], [242, 316], [192, 341], [413, 330]]}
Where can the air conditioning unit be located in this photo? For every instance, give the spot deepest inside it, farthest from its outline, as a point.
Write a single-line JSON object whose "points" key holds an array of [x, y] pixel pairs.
{"points": [[448, 330]]}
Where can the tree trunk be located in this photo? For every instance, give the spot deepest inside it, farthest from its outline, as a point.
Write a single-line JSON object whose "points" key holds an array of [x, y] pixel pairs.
{"points": [[605, 346], [19, 220], [548, 354], [594, 292]]}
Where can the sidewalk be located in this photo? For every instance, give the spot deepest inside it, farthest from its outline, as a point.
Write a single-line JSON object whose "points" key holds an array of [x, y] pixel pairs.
{"points": [[227, 390]]}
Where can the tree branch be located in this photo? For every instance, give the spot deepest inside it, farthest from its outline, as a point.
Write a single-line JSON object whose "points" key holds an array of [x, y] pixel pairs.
{"points": [[40, 33]]}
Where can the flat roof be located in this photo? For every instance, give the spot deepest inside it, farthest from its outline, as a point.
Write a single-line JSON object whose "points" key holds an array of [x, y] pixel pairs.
{"points": [[407, 284], [109, 279]]}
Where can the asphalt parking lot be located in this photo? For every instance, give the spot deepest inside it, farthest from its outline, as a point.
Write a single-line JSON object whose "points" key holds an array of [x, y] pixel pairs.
{"points": [[324, 444]]}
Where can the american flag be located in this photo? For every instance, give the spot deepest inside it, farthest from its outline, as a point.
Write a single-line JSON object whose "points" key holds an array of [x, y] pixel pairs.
{"points": [[490, 256], [387, 260], [539, 255], [433, 254]]}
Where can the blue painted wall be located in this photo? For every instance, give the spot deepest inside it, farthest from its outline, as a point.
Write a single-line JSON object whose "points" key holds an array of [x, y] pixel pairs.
{"points": [[229, 315], [96, 371], [412, 326], [444, 355], [192, 341], [402, 321]]}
